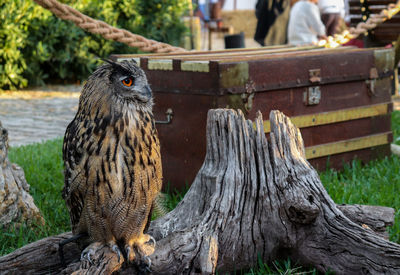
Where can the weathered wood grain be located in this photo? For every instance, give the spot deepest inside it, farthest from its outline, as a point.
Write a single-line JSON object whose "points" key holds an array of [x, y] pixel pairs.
{"points": [[251, 198], [16, 204]]}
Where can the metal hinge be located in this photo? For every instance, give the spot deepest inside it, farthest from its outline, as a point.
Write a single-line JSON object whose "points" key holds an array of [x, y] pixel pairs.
{"points": [[314, 75], [371, 86], [371, 82], [312, 95], [373, 73], [248, 96]]}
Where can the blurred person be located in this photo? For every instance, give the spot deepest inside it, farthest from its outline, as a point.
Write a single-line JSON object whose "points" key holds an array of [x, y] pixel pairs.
{"points": [[331, 13], [272, 19], [305, 25], [347, 12], [201, 10], [208, 9]]}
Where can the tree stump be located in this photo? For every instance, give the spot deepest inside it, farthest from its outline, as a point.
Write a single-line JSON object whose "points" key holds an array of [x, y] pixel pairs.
{"points": [[16, 204], [251, 199]]}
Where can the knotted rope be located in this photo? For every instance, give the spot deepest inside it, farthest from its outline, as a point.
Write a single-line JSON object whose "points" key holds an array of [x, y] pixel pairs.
{"points": [[375, 19], [109, 32], [372, 22]]}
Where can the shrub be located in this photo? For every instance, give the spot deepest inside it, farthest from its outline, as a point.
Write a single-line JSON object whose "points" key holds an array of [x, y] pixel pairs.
{"points": [[36, 46]]}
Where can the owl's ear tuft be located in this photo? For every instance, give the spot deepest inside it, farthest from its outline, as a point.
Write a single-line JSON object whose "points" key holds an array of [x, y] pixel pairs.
{"points": [[112, 63], [116, 66]]}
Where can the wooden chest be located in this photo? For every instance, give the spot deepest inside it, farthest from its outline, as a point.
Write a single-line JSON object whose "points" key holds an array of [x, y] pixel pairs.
{"points": [[339, 98]]}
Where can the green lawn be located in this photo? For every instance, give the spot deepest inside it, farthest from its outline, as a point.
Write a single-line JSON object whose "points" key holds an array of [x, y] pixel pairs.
{"points": [[376, 183]]}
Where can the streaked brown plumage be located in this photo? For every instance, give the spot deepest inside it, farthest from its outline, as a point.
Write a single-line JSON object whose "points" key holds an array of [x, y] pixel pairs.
{"points": [[112, 160]]}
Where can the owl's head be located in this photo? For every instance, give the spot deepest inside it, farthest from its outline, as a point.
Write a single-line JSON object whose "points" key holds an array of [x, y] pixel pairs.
{"points": [[124, 80]]}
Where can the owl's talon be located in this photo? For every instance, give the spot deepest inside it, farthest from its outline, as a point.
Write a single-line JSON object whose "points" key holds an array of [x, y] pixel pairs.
{"points": [[145, 265], [130, 255], [146, 258], [86, 255], [153, 240], [115, 248]]}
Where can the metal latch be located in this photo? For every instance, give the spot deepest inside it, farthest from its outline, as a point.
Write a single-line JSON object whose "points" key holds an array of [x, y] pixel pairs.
{"points": [[169, 114], [373, 75], [314, 75], [248, 96], [247, 101], [371, 86], [312, 95]]}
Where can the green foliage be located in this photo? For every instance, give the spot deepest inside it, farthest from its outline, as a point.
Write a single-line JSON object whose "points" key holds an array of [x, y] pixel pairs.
{"points": [[173, 196], [36, 46], [281, 268], [396, 127], [376, 183]]}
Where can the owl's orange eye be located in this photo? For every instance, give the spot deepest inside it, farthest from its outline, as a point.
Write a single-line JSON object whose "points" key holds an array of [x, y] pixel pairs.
{"points": [[127, 81]]}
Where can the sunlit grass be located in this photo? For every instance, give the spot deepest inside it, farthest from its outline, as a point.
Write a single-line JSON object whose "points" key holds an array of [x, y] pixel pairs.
{"points": [[43, 167]]}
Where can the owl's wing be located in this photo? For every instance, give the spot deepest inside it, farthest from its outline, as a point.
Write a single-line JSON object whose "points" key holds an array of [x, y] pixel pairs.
{"points": [[74, 173]]}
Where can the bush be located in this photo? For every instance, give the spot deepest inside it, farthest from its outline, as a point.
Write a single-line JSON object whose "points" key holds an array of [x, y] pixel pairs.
{"points": [[36, 46]]}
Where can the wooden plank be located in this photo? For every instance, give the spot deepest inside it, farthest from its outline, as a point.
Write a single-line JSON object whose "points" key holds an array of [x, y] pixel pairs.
{"points": [[196, 66], [347, 145], [345, 130], [337, 161], [371, 2], [336, 116], [161, 65], [198, 54], [376, 9], [227, 56], [289, 71], [310, 53]]}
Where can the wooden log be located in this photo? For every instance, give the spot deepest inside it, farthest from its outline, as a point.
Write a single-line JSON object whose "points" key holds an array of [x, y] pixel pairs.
{"points": [[251, 198], [374, 218], [42, 257], [16, 204], [395, 149]]}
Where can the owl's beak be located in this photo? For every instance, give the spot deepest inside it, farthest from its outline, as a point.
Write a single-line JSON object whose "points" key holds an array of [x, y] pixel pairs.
{"points": [[143, 94]]}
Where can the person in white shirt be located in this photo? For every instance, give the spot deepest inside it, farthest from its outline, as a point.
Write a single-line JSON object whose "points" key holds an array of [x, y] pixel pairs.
{"points": [[331, 12], [305, 25]]}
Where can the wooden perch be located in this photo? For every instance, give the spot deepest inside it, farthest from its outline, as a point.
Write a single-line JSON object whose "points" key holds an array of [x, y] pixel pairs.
{"points": [[251, 198], [16, 204]]}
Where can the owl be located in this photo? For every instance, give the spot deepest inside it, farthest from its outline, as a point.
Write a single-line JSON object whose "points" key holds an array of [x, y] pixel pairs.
{"points": [[112, 162]]}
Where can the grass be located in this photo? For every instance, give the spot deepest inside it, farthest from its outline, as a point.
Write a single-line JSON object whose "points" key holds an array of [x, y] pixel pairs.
{"points": [[376, 183], [396, 127], [43, 167]]}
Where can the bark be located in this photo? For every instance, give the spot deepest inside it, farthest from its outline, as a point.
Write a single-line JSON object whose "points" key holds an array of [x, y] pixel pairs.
{"points": [[16, 204], [374, 218], [251, 198], [395, 149]]}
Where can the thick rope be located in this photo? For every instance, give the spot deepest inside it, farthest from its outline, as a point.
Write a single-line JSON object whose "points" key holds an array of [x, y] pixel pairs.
{"points": [[372, 22], [375, 19], [108, 32]]}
